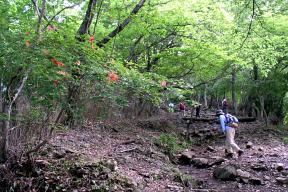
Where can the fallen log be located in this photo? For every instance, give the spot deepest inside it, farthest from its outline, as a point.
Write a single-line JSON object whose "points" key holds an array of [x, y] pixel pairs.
{"points": [[194, 119], [246, 119]]}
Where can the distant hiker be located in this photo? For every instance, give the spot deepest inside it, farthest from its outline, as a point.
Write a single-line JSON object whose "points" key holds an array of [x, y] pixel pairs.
{"points": [[228, 125], [171, 107], [182, 108], [224, 105], [198, 108]]}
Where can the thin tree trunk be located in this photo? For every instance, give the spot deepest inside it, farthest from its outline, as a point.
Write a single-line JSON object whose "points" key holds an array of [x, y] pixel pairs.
{"points": [[233, 86], [149, 64], [97, 17], [122, 25], [84, 27], [262, 104], [132, 56], [205, 95], [43, 9], [7, 112], [73, 96]]}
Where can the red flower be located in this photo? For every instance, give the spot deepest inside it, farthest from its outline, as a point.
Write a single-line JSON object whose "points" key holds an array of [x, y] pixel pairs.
{"points": [[57, 63], [27, 43], [164, 84], [113, 76], [51, 28], [91, 39], [55, 82], [64, 73]]}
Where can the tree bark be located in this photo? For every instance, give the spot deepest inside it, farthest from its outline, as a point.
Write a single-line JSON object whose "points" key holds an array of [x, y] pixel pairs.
{"points": [[205, 95], [7, 111], [97, 17], [84, 27], [40, 18], [132, 56], [122, 25], [233, 88], [73, 96]]}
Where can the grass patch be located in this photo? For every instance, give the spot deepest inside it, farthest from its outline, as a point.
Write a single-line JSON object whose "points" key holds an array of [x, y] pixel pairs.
{"points": [[185, 179], [285, 140], [171, 143]]}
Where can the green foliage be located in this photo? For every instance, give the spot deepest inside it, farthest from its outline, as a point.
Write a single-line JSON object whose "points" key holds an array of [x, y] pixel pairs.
{"points": [[185, 179], [285, 140], [189, 43], [170, 143], [286, 108]]}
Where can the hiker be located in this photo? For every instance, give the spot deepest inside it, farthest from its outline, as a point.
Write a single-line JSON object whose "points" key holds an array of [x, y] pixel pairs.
{"points": [[228, 125], [198, 107], [171, 107], [224, 105], [182, 108]]}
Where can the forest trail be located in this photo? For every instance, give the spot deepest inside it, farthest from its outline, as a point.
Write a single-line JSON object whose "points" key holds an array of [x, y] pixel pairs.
{"points": [[130, 151], [139, 159]]}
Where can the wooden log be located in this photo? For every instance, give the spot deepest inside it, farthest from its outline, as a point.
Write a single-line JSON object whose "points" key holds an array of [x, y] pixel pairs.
{"points": [[246, 119], [193, 119]]}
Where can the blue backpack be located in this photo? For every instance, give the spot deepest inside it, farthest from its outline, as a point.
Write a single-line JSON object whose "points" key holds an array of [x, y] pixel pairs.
{"points": [[231, 121]]}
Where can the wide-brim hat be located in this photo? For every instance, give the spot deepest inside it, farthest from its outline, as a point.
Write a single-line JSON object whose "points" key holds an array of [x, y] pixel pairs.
{"points": [[219, 112]]}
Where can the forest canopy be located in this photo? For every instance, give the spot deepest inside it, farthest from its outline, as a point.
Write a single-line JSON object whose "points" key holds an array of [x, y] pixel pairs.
{"points": [[61, 59]]}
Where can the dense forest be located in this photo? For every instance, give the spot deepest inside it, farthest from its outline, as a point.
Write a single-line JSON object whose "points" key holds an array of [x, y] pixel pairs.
{"points": [[80, 76]]}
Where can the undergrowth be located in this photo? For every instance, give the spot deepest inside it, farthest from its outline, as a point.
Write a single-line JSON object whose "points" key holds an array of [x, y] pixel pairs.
{"points": [[171, 143]]}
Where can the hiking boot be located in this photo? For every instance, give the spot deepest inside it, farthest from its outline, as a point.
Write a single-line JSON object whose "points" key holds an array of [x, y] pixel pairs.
{"points": [[240, 152]]}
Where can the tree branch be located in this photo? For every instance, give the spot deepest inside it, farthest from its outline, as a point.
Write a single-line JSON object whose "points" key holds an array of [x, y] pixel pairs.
{"points": [[188, 72], [122, 25], [98, 16], [250, 24], [35, 3], [84, 27], [40, 17], [60, 11]]}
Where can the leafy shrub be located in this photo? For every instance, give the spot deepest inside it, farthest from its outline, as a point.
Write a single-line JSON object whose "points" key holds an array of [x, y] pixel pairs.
{"points": [[285, 140], [170, 143]]}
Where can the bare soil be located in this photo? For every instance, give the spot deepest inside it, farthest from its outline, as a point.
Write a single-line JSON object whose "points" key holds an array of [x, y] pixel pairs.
{"points": [[132, 149]]}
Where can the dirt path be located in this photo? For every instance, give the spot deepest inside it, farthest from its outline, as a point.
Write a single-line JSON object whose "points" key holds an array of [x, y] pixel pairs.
{"points": [[144, 163], [267, 150], [69, 162]]}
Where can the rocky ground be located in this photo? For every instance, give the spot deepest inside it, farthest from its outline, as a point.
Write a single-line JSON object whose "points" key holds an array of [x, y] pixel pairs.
{"points": [[153, 155]]}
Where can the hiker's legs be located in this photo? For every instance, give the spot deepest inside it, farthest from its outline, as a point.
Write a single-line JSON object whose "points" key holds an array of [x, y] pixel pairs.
{"points": [[230, 140], [228, 146], [183, 113]]}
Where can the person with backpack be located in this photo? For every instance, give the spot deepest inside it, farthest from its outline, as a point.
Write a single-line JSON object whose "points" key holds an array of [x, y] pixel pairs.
{"points": [[182, 108], [228, 125]]}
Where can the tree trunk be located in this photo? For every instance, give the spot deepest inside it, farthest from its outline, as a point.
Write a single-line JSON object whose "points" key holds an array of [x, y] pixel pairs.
{"points": [[132, 56], [40, 17], [4, 130], [255, 72], [7, 109], [149, 65], [205, 95], [262, 104], [233, 88], [84, 27], [73, 96]]}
